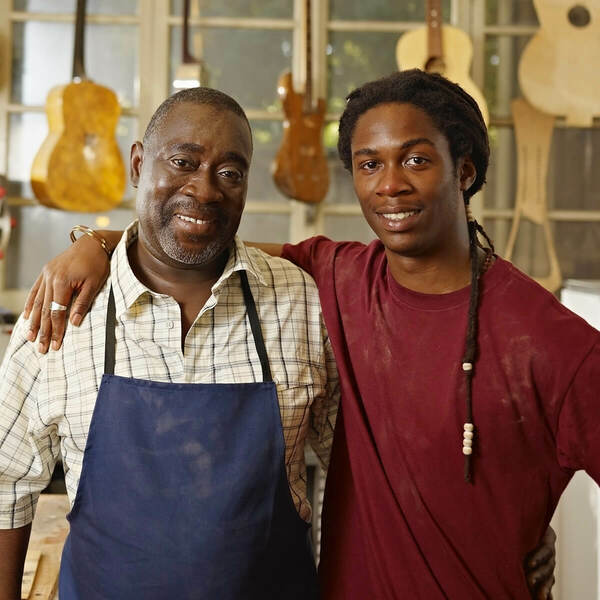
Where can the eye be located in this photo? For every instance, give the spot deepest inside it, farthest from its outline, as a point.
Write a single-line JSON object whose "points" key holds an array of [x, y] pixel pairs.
{"points": [[416, 161], [232, 175], [182, 163], [368, 165]]}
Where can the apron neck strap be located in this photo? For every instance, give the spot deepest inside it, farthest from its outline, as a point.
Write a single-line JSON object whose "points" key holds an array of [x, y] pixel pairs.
{"points": [[259, 342]]}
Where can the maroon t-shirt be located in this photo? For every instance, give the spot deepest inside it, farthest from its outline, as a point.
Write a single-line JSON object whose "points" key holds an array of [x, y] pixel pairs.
{"points": [[399, 520]]}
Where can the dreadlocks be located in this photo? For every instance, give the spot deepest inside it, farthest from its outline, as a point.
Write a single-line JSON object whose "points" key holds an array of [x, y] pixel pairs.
{"points": [[456, 115]]}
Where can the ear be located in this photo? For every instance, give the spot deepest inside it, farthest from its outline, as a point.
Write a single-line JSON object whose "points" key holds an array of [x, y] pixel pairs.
{"points": [[136, 160], [466, 173]]}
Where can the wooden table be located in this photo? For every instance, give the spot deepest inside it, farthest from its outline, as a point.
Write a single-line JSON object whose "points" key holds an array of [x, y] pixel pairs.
{"points": [[48, 533]]}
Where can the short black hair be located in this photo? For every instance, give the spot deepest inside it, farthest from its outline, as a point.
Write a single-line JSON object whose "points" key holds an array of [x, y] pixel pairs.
{"points": [[454, 112], [196, 95]]}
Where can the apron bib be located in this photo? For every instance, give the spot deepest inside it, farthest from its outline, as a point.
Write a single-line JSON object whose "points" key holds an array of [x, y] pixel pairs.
{"points": [[184, 494]]}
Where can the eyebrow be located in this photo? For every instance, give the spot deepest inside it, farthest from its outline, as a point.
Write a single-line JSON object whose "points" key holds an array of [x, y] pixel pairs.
{"points": [[404, 146], [198, 148]]}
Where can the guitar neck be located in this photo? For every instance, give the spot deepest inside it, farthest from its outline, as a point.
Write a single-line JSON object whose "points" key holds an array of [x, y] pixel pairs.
{"points": [[78, 64], [308, 86], [434, 30]]}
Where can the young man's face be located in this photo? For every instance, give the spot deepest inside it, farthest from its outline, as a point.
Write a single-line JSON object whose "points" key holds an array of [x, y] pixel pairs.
{"points": [[192, 179], [409, 189]]}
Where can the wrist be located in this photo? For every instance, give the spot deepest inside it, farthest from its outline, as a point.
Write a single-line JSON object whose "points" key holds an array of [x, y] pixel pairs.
{"points": [[87, 232]]}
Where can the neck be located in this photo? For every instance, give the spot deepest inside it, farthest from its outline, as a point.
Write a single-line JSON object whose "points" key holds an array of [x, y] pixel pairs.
{"points": [[433, 275]]}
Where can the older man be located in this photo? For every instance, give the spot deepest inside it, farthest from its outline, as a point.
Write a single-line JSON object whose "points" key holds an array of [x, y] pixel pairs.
{"points": [[181, 405]]}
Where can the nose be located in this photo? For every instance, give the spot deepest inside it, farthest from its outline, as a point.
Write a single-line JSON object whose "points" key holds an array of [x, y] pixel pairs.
{"points": [[393, 182], [202, 186]]}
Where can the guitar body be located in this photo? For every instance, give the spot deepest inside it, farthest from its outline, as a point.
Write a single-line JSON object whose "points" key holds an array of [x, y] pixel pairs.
{"points": [[412, 53], [300, 168], [558, 70], [79, 165]]}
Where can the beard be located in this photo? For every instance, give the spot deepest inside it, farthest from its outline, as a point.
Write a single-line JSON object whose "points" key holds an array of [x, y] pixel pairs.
{"points": [[200, 256]]}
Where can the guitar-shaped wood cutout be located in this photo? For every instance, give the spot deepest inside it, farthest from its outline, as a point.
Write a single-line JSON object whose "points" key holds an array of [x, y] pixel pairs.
{"points": [[79, 165], [442, 49], [300, 168], [558, 70], [533, 133], [191, 72]]}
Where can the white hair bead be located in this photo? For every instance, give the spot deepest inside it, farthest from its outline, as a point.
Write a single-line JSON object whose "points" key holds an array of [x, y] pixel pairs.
{"points": [[469, 427], [468, 435], [467, 450], [467, 443], [467, 366]]}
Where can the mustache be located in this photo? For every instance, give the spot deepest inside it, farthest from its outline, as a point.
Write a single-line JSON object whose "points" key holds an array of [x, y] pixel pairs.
{"points": [[211, 211]]}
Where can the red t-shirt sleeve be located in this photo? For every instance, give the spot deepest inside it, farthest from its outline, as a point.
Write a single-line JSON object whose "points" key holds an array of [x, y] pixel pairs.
{"points": [[315, 255], [578, 435]]}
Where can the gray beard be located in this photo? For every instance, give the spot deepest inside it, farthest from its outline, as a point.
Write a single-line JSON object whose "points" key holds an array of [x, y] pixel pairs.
{"points": [[187, 257]]}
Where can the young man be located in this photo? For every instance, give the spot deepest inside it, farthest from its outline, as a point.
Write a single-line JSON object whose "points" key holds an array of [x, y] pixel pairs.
{"points": [[468, 391], [180, 406]]}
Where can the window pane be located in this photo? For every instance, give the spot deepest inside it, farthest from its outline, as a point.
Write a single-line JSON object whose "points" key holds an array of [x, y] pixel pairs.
{"points": [[271, 9], [267, 140], [244, 63], [27, 131], [577, 246], [35, 70], [510, 12], [94, 7], [31, 245], [501, 85], [355, 58], [382, 10]]}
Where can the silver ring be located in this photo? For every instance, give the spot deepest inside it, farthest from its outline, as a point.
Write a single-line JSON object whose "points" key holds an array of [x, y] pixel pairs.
{"points": [[57, 306]]}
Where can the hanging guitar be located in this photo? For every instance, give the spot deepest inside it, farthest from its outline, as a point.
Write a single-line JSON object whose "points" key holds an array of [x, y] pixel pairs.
{"points": [[300, 168], [533, 133], [442, 49], [191, 72], [558, 70], [79, 165]]}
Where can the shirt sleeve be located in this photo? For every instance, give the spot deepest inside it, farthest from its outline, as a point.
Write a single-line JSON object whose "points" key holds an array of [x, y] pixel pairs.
{"points": [[315, 255], [325, 407], [28, 447], [578, 434]]}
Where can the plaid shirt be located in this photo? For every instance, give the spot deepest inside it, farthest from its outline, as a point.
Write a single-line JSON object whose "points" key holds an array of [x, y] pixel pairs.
{"points": [[47, 401]]}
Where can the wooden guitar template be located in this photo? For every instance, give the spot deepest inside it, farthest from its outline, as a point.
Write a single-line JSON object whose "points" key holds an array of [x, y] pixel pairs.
{"points": [[79, 165], [443, 49], [533, 135], [558, 70], [300, 169]]}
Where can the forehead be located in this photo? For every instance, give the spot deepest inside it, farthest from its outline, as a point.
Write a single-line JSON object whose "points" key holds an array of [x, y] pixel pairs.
{"points": [[210, 127], [395, 123]]}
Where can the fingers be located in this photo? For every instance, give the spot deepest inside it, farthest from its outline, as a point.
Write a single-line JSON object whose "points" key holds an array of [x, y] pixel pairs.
{"points": [[542, 578], [81, 305], [31, 296], [45, 322], [37, 305], [544, 592]]}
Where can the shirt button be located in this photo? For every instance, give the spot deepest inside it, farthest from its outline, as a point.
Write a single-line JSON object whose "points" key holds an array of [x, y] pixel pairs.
{"points": [[170, 324]]}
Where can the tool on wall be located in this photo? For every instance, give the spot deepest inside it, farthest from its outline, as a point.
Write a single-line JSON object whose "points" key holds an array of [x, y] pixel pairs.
{"points": [[191, 72], [439, 48], [79, 165], [300, 168]]}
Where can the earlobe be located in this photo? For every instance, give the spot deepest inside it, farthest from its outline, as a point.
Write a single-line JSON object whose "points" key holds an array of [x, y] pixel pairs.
{"points": [[136, 160], [467, 174]]}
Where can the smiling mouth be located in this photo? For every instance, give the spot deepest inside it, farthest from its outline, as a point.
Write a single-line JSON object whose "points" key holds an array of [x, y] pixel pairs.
{"points": [[192, 220], [399, 216]]}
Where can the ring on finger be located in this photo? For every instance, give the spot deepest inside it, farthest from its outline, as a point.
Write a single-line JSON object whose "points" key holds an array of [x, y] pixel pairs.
{"points": [[57, 306]]}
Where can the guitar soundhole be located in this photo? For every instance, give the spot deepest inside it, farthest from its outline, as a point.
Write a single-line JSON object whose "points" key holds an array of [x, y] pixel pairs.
{"points": [[579, 16]]}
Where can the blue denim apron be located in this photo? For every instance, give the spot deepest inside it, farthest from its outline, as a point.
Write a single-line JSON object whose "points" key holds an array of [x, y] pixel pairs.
{"points": [[184, 494]]}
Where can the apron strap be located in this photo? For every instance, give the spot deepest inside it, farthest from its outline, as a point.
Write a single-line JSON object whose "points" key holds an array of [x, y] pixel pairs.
{"points": [[109, 338], [259, 342]]}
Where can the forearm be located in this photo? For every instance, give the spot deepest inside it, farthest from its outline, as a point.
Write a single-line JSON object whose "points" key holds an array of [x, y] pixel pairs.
{"points": [[110, 237], [13, 547], [272, 249]]}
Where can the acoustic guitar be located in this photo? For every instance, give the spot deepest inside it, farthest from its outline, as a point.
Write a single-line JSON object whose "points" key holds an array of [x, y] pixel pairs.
{"points": [[300, 168], [442, 49], [79, 165], [558, 70], [533, 133], [191, 72]]}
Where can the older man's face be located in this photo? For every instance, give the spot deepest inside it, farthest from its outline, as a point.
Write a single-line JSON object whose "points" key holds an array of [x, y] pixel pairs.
{"points": [[192, 179]]}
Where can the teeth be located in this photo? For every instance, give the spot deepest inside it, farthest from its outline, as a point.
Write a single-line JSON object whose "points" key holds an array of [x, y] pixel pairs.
{"points": [[191, 220], [400, 215]]}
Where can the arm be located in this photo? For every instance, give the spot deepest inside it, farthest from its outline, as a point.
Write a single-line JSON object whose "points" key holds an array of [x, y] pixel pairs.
{"points": [[13, 547], [539, 567], [81, 269]]}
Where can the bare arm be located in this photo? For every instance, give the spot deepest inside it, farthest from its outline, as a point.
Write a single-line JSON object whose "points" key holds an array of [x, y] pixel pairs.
{"points": [[539, 567], [13, 547], [82, 270]]}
